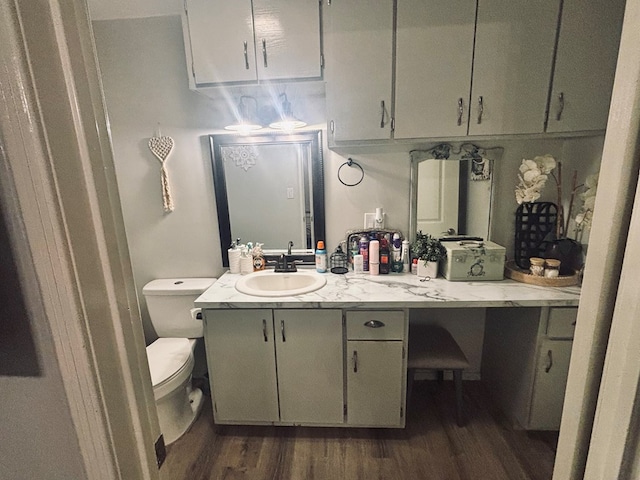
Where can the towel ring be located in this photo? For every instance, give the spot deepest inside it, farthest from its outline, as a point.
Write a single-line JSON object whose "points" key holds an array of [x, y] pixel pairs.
{"points": [[350, 162]]}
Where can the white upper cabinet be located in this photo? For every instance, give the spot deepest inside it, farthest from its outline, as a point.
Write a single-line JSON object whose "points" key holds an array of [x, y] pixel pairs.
{"points": [[241, 41], [585, 65], [287, 39], [359, 48], [434, 53], [515, 41]]}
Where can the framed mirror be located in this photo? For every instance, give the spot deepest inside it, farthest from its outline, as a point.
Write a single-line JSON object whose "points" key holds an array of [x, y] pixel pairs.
{"points": [[269, 189], [452, 190]]}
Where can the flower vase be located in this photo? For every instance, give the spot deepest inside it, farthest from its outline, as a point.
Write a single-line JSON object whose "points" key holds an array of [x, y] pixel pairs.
{"points": [[569, 252], [429, 270]]}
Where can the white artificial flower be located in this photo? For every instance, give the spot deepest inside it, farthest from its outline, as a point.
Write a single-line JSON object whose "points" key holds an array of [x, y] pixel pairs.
{"points": [[533, 177], [546, 163]]}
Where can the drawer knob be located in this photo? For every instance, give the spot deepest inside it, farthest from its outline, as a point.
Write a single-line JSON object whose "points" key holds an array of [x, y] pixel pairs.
{"points": [[374, 324]]}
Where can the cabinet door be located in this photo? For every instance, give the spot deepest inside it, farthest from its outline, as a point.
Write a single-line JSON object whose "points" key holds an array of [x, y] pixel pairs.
{"points": [[222, 42], [287, 38], [375, 379], [359, 69], [434, 54], [513, 56], [549, 384], [242, 367], [310, 365], [585, 65]]}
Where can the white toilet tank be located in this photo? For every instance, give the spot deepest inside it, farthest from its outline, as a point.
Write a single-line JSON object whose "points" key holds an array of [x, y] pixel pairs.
{"points": [[170, 304]]}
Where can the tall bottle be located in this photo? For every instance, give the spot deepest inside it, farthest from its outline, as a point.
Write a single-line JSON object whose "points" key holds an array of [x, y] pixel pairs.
{"points": [[406, 266], [374, 257], [396, 253], [385, 260], [321, 258], [364, 251]]}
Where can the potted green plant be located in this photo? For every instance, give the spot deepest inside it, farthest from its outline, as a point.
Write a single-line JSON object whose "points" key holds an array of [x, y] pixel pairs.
{"points": [[429, 250]]}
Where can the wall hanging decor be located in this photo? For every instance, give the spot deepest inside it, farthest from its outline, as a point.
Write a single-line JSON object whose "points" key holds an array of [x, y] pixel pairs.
{"points": [[161, 147]]}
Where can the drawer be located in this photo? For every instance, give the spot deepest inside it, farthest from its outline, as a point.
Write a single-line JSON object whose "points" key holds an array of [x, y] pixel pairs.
{"points": [[375, 325], [562, 322]]}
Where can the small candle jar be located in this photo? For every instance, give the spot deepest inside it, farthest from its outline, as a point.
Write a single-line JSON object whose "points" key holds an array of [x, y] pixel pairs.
{"points": [[551, 268], [536, 266]]}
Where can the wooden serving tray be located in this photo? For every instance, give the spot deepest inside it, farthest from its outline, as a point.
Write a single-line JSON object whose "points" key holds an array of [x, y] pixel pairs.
{"points": [[512, 271]]}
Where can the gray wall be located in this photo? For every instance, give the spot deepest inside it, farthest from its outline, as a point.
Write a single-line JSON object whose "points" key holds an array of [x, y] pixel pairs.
{"points": [[145, 80], [38, 439]]}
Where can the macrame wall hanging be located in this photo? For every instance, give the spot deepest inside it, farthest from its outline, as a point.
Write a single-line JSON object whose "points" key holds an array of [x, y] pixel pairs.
{"points": [[161, 147]]}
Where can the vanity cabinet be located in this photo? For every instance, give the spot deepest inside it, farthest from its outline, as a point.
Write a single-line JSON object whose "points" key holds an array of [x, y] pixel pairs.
{"points": [[525, 362], [287, 366], [275, 366], [586, 60], [240, 348], [468, 68], [513, 58], [434, 53], [245, 41], [376, 366], [358, 72]]}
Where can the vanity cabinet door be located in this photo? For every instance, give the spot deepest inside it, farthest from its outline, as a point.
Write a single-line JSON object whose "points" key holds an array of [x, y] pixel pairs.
{"points": [[549, 385], [434, 53], [241, 41], [242, 366], [585, 65], [375, 376], [221, 38], [515, 41], [310, 365], [359, 54], [287, 39]]}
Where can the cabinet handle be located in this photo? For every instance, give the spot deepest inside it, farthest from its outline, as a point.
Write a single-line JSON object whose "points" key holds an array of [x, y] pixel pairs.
{"points": [[374, 324], [480, 109], [284, 338], [264, 52], [382, 114], [460, 111], [549, 362], [246, 57], [560, 106], [264, 330], [355, 361]]}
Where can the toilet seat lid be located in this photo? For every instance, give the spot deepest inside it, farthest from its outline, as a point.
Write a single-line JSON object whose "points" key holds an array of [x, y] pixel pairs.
{"points": [[166, 357]]}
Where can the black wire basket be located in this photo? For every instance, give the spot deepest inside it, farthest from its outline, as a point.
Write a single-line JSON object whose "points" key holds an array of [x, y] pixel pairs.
{"points": [[339, 262]]}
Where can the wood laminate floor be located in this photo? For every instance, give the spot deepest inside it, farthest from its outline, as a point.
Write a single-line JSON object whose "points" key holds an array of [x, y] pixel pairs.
{"points": [[431, 447]]}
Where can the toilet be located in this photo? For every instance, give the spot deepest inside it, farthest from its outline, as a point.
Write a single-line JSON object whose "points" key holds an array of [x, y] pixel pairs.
{"points": [[170, 357]]}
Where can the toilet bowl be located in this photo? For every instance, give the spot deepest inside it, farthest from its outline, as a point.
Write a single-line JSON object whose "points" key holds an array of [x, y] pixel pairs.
{"points": [[171, 357], [177, 403]]}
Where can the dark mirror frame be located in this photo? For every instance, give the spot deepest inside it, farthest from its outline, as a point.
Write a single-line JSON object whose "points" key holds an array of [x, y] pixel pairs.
{"points": [[312, 139]]}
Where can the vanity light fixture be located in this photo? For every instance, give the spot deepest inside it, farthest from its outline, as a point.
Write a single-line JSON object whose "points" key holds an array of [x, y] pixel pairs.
{"points": [[287, 121], [246, 122]]}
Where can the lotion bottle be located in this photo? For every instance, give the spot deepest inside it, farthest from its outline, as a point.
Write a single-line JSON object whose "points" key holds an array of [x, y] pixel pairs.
{"points": [[321, 258]]}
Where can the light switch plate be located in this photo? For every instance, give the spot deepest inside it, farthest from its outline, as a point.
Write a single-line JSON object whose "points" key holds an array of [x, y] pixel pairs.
{"points": [[370, 220]]}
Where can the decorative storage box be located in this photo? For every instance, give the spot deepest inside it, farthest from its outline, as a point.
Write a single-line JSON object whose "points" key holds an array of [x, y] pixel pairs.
{"points": [[472, 260]]}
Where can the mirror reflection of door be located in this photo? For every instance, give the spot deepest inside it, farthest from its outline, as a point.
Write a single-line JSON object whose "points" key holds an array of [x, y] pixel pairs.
{"points": [[437, 205]]}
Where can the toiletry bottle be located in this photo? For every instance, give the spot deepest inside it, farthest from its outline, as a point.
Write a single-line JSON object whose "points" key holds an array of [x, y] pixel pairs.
{"points": [[406, 268], [321, 258], [385, 261], [353, 250], [364, 251], [259, 263], [396, 253], [374, 257]]}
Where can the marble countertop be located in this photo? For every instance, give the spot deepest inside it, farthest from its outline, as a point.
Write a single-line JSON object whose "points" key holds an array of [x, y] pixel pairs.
{"points": [[398, 290]]}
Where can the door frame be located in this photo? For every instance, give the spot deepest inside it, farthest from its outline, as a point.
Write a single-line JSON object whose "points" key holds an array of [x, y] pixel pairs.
{"points": [[61, 207]]}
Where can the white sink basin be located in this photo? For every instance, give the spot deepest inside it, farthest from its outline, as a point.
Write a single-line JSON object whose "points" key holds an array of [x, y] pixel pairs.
{"points": [[270, 284]]}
